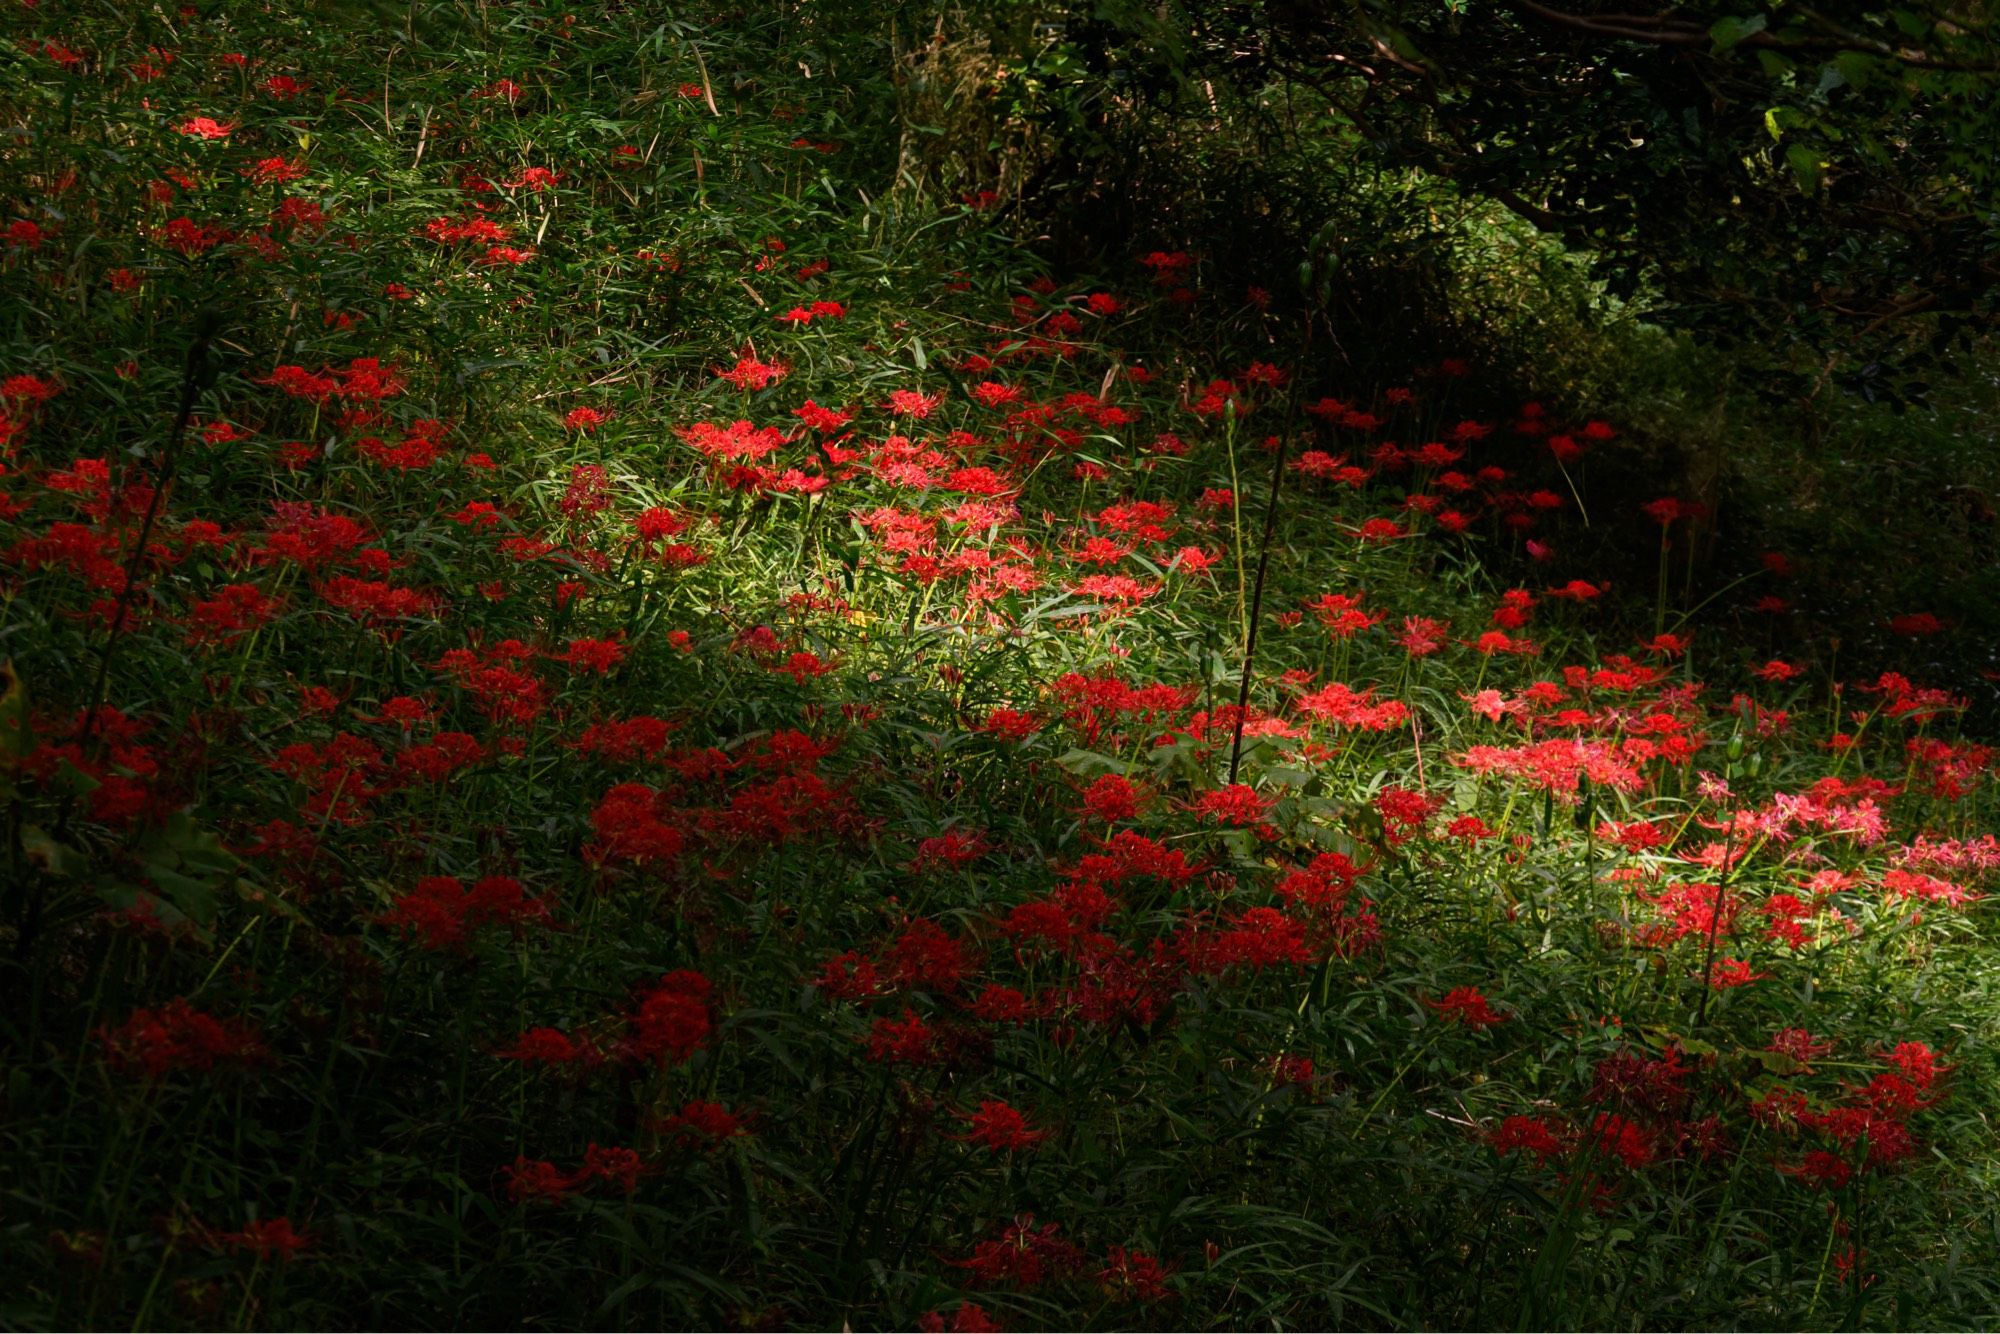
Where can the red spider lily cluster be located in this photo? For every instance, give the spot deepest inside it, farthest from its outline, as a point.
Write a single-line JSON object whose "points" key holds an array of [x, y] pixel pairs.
{"points": [[758, 821]]}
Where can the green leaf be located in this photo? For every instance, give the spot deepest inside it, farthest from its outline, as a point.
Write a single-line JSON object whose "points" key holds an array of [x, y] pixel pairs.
{"points": [[1912, 24], [1854, 66], [194, 897], [58, 859], [1806, 166], [1779, 119], [1778, 1063], [1774, 65], [1729, 31]]}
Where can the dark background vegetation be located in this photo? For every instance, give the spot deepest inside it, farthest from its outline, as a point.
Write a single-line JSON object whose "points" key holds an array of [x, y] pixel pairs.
{"points": [[1759, 239]]}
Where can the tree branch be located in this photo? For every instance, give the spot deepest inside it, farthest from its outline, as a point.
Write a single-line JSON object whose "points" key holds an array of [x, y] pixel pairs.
{"points": [[1661, 31]]}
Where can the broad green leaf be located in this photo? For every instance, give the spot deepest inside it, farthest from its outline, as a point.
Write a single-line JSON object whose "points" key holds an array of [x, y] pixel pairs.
{"points": [[1729, 31], [1806, 165]]}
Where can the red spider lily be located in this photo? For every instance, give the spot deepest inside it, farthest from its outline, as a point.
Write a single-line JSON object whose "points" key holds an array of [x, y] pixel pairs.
{"points": [[824, 420], [206, 127], [26, 391], [551, 1047], [506, 693], [1465, 1005], [969, 1317], [671, 1021], [597, 656], [1499, 642], [1557, 767], [1917, 625], [615, 1166], [1257, 939], [848, 976], [1404, 812], [1237, 804], [187, 237], [434, 760], [298, 382], [952, 850], [1613, 1136], [905, 1041], [1927, 888], [274, 171], [1341, 614], [999, 1004], [819, 310], [442, 911], [913, 403], [705, 1125], [924, 957], [1780, 1109], [1112, 798], [1194, 560], [1637, 836], [1727, 973], [626, 740], [535, 179], [631, 825], [1529, 1135], [1820, 1169], [179, 1037], [1471, 829], [235, 610], [1788, 913], [1118, 589], [1134, 1276], [1001, 1128], [1422, 636], [268, 1238], [455, 231], [1324, 883], [1346, 707], [375, 601], [532, 1180], [1652, 1086], [802, 665], [750, 374], [1917, 1063], [1023, 1255], [1296, 1071], [1873, 1116], [739, 440]]}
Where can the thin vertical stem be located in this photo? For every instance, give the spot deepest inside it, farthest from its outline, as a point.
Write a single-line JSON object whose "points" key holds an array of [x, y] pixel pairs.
{"points": [[192, 379], [1256, 612]]}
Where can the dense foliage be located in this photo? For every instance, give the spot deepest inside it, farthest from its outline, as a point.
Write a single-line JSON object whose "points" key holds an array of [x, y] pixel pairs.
{"points": [[1780, 178], [612, 720]]}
